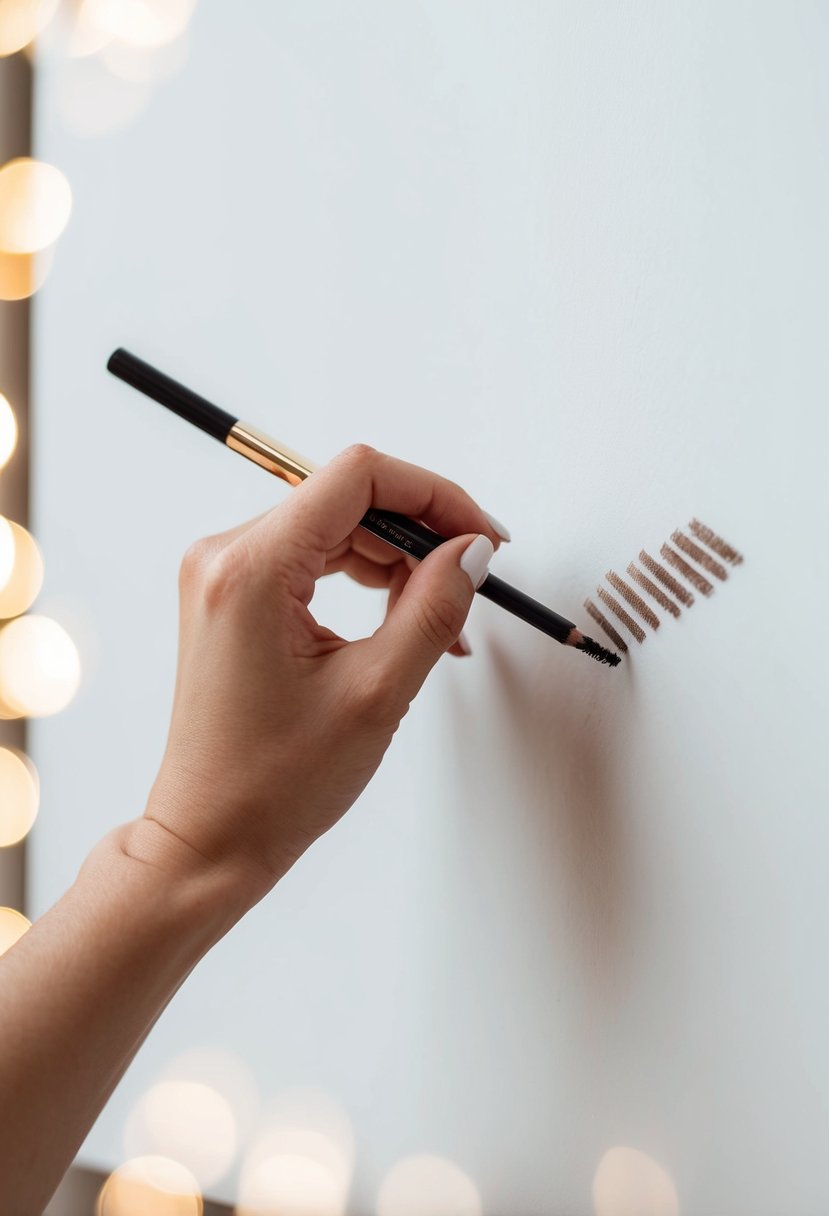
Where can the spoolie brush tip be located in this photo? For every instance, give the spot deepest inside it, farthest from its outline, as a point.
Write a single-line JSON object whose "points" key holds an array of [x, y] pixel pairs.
{"points": [[598, 652]]}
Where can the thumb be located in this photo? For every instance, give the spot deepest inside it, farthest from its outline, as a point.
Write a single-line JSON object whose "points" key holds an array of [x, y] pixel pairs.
{"points": [[431, 611]]}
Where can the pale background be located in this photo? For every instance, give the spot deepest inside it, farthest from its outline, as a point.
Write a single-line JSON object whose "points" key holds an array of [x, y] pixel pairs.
{"points": [[573, 255]]}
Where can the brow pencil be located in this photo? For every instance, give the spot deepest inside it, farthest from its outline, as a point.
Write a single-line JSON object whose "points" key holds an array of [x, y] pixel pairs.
{"points": [[403, 533]]}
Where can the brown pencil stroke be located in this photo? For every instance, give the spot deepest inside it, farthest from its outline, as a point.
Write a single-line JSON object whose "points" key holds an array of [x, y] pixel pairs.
{"points": [[635, 601], [716, 543], [603, 623], [693, 576], [627, 620], [666, 579], [699, 555], [652, 590]]}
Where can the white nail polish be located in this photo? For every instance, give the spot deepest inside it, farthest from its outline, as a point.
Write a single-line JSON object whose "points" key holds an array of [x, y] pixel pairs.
{"points": [[464, 645], [498, 526], [475, 560]]}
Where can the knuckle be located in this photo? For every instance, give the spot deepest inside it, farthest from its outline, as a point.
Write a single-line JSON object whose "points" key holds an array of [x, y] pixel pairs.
{"points": [[377, 697], [359, 453], [212, 573], [439, 621], [195, 559]]}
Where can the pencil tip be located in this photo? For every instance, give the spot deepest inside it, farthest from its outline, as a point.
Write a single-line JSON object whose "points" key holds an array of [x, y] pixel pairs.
{"points": [[600, 653]]}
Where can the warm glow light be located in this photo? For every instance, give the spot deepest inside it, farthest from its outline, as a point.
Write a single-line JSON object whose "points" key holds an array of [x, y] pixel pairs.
{"points": [[22, 274], [144, 23], [23, 20], [13, 925], [8, 438], [189, 1121], [630, 1183], [19, 796], [86, 38], [35, 202], [39, 666], [428, 1186], [7, 549], [301, 1163], [142, 66], [21, 587], [150, 1186], [290, 1186]]}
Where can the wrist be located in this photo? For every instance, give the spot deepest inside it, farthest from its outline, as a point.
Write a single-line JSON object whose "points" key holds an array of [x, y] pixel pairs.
{"points": [[197, 890]]}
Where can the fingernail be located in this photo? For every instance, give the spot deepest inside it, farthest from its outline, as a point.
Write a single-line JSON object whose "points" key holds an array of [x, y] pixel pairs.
{"points": [[498, 526], [464, 645], [475, 560]]}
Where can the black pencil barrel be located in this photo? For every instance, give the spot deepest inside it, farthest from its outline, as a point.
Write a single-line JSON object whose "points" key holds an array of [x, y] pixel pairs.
{"points": [[528, 609], [166, 391]]}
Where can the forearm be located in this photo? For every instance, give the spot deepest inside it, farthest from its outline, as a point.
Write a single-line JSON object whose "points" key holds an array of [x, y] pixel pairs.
{"points": [[80, 991]]}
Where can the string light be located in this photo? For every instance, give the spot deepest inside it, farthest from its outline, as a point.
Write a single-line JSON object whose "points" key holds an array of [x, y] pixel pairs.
{"points": [[21, 586], [144, 1185], [8, 433], [142, 23], [19, 796], [35, 202], [39, 666], [21, 21], [13, 925]]}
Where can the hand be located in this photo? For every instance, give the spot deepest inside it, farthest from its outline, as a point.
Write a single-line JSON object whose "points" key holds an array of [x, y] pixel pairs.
{"points": [[278, 723]]}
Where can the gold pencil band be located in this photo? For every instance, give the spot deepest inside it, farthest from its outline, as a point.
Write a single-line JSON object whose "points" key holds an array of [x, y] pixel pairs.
{"points": [[263, 450]]}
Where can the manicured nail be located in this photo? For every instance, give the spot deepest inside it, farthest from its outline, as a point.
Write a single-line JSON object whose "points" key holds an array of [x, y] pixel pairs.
{"points": [[475, 560], [464, 645], [498, 526]]}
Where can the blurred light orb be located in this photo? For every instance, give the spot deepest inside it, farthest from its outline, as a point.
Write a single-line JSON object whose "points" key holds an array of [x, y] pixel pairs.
{"points": [[21, 21], [19, 796], [22, 274], [630, 1183], [425, 1185], [141, 66], [39, 666], [85, 37], [141, 23], [35, 203], [190, 1122], [150, 1186], [287, 1185], [7, 548], [13, 925], [8, 435], [22, 584]]}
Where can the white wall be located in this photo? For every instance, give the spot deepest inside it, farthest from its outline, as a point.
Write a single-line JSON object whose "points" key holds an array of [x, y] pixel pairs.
{"points": [[573, 255]]}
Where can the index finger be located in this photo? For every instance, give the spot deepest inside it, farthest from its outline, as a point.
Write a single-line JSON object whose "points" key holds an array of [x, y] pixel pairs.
{"points": [[328, 505]]}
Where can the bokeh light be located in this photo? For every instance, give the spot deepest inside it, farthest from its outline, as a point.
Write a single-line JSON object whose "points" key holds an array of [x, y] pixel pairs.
{"points": [[21, 21], [142, 66], [19, 796], [13, 925], [7, 550], [301, 1162], [39, 666], [150, 1186], [22, 583], [190, 1122], [286, 1185], [630, 1183], [8, 434], [35, 203], [142, 23], [22, 274], [85, 37], [426, 1185]]}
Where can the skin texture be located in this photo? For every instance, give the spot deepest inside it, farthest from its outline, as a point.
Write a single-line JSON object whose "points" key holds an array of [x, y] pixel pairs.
{"points": [[277, 726]]}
